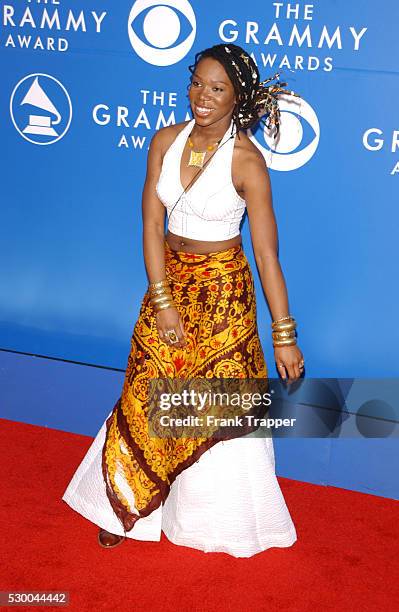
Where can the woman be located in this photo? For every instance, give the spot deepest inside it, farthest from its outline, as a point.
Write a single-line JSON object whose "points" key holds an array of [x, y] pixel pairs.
{"points": [[198, 321]]}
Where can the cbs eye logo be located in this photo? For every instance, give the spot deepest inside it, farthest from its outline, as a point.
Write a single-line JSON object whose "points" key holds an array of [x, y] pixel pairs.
{"points": [[162, 32], [298, 125]]}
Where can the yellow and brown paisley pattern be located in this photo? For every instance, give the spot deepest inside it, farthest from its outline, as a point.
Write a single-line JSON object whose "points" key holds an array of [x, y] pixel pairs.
{"points": [[214, 294]]}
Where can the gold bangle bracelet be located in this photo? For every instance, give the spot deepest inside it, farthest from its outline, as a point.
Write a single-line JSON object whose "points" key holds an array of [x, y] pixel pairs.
{"points": [[156, 284], [159, 290], [283, 334], [160, 295], [163, 306], [287, 342], [289, 318], [280, 322], [153, 296], [285, 326], [161, 300], [282, 319]]}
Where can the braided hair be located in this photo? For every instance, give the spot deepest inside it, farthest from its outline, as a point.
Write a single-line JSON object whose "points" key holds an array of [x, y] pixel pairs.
{"points": [[255, 99]]}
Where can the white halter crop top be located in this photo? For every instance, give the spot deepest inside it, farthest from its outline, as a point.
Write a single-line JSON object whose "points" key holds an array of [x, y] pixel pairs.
{"points": [[211, 209]]}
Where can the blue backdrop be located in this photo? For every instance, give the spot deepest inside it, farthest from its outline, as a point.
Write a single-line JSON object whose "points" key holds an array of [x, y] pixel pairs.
{"points": [[84, 87]]}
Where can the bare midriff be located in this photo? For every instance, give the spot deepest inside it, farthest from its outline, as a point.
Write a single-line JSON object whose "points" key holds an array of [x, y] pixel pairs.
{"points": [[201, 247]]}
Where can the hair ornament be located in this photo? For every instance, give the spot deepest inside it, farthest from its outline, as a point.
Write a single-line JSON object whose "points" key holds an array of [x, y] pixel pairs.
{"points": [[246, 59], [267, 101]]}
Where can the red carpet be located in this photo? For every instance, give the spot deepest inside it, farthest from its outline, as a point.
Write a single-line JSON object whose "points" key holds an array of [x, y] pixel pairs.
{"points": [[346, 556]]}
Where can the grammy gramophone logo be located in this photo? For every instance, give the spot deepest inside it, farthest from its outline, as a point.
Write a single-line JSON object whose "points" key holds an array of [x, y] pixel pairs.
{"points": [[41, 109]]}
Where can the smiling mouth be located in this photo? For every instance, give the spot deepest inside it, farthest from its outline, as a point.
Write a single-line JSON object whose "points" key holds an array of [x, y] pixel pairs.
{"points": [[202, 110]]}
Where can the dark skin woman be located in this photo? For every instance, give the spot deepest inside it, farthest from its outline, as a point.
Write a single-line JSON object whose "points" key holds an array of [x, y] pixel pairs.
{"points": [[213, 99]]}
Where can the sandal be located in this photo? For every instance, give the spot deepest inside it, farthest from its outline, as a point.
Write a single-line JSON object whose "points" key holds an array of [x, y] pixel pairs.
{"points": [[109, 540]]}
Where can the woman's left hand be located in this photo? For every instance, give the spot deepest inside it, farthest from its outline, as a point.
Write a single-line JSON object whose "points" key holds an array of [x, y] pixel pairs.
{"points": [[289, 360]]}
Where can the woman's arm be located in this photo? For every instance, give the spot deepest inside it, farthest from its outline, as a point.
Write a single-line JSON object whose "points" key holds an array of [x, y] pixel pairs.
{"points": [[257, 193], [153, 212], [263, 229]]}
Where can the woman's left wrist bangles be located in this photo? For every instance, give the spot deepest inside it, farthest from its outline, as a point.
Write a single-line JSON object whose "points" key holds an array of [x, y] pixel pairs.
{"points": [[284, 331], [160, 295]]}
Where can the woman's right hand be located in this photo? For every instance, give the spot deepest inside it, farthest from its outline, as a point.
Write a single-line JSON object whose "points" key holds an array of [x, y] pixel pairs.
{"points": [[169, 319]]}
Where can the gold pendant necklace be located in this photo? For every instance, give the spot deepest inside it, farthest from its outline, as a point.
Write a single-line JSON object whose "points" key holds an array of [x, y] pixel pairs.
{"points": [[197, 158]]}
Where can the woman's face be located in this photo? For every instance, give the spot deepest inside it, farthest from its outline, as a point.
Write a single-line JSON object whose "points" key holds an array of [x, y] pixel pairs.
{"points": [[211, 93]]}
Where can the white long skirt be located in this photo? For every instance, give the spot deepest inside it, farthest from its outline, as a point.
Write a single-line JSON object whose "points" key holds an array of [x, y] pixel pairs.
{"points": [[228, 501]]}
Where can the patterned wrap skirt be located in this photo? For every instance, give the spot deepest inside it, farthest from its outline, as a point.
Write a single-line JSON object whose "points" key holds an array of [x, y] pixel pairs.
{"points": [[214, 295]]}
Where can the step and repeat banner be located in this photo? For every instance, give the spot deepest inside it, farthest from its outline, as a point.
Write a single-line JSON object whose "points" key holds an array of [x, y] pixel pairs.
{"points": [[85, 84]]}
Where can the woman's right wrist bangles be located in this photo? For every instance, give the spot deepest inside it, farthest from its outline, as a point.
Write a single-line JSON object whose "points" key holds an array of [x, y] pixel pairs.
{"points": [[284, 331], [160, 295]]}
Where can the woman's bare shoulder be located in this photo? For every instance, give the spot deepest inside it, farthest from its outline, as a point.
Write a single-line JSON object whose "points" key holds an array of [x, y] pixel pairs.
{"points": [[164, 137], [245, 152]]}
